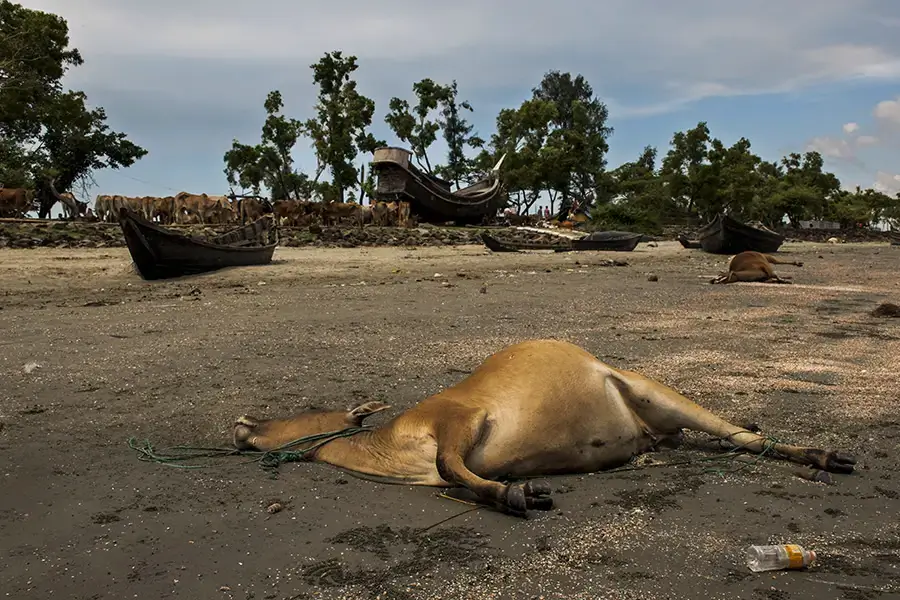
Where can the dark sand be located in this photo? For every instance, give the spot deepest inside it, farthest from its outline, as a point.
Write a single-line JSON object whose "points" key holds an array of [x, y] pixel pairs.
{"points": [[81, 517]]}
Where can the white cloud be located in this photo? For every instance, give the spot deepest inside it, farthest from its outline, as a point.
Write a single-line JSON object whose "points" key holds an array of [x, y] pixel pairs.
{"points": [[867, 140], [689, 50], [888, 110], [850, 127], [887, 183], [830, 147]]}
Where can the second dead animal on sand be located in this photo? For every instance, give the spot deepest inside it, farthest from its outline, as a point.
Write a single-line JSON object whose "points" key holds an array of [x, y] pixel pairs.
{"points": [[754, 267]]}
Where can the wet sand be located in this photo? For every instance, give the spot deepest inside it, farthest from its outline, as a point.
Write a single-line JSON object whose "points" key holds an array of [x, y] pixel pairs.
{"points": [[92, 355]]}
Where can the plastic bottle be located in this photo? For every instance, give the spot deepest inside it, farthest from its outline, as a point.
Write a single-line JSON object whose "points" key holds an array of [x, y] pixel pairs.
{"points": [[778, 557]]}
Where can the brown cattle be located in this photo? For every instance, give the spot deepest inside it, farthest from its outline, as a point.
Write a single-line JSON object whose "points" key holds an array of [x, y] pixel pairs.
{"points": [[15, 202], [295, 213], [251, 209], [532, 409], [380, 214], [163, 209], [754, 266], [403, 215], [336, 213], [222, 210], [203, 208]]}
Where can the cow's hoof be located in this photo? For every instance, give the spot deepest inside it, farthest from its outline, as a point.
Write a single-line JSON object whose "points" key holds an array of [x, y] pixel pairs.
{"points": [[833, 462], [244, 432], [836, 462], [531, 495]]}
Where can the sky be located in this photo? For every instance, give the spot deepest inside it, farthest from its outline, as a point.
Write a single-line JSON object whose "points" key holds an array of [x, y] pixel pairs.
{"points": [[183, 78]]}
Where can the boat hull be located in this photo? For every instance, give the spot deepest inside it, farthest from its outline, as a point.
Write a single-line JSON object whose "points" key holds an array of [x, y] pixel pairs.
{"points": [[430, 197], [606, 241], [162, 254], [726, 235], [610, 241]]}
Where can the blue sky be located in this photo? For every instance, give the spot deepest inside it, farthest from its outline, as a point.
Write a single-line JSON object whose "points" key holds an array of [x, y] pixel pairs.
{"points": [[184, 77]]}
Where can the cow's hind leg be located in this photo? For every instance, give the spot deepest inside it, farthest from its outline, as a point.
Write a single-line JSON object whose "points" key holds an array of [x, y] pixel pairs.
{"points": [[666, 410], [775, 261], [457, 435]]}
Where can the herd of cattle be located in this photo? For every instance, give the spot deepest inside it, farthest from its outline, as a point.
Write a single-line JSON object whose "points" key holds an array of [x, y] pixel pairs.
{"points": [[185, 208]]}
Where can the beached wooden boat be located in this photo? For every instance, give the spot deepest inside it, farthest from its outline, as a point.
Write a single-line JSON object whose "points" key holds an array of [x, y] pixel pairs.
{"points": [[687, 243], [430, 197], [495, 245], [609, 241], [727, 235], [159, 253]]}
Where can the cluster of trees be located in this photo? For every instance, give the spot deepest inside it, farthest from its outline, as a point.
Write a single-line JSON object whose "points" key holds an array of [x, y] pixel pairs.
{"points": [[49, 135], [556, 143], [339, 134]]}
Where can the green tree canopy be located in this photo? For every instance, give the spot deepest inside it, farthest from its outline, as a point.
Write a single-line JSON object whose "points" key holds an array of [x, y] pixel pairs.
{"points": [[49, 135]]}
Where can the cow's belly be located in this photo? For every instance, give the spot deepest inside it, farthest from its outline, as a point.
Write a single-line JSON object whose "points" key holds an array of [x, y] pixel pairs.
{"points": [[575, 443]]}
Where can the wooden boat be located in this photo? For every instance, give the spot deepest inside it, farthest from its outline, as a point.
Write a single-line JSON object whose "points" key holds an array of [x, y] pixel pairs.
{"points": [[686, 243], [159, 253], [495, 245], [610, 241], [727, 235], [430, 197], [895, 237]]}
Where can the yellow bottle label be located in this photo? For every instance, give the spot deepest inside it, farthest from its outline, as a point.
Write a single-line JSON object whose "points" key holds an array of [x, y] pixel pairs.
{"points": [[795, 556]]}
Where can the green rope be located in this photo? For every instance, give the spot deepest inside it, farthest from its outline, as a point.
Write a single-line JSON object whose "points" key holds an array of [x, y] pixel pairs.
{"points": [[731, 455], [268, 460]]}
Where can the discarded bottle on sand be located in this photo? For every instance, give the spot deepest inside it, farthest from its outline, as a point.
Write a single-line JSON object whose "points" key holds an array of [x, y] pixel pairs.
{"points": [[778, 557]]}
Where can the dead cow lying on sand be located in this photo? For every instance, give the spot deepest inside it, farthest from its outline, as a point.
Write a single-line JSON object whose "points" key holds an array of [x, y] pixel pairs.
{"points": [[535, 408], [754, 266]]}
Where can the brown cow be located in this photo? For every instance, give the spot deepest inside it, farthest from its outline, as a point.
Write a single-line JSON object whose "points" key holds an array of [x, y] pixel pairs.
{"points": [[251, 209], [380, 214], [201, 207], [336, 213], [163, 209], [16, 202], [403, 215]]}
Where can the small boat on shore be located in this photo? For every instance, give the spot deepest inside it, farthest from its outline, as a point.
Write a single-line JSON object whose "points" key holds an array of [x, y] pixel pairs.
{"points": [[159, 253], [727, 235], [688, 243], [610, 241]]}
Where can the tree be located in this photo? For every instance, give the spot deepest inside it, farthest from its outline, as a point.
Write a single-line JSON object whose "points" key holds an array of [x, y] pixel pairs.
{"points": [[339, 131], [736, 176], [522, 136], [577, 141], [805, 189], [49, 138], [270, 162], [458, 134], [414, 126], [683, 168], [34, 57], [637, 197]]}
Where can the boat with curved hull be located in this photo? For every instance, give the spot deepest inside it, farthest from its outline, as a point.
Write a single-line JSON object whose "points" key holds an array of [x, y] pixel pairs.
{"points": [[429, 196], [727, 235], [609, 241], [159, 253]]}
